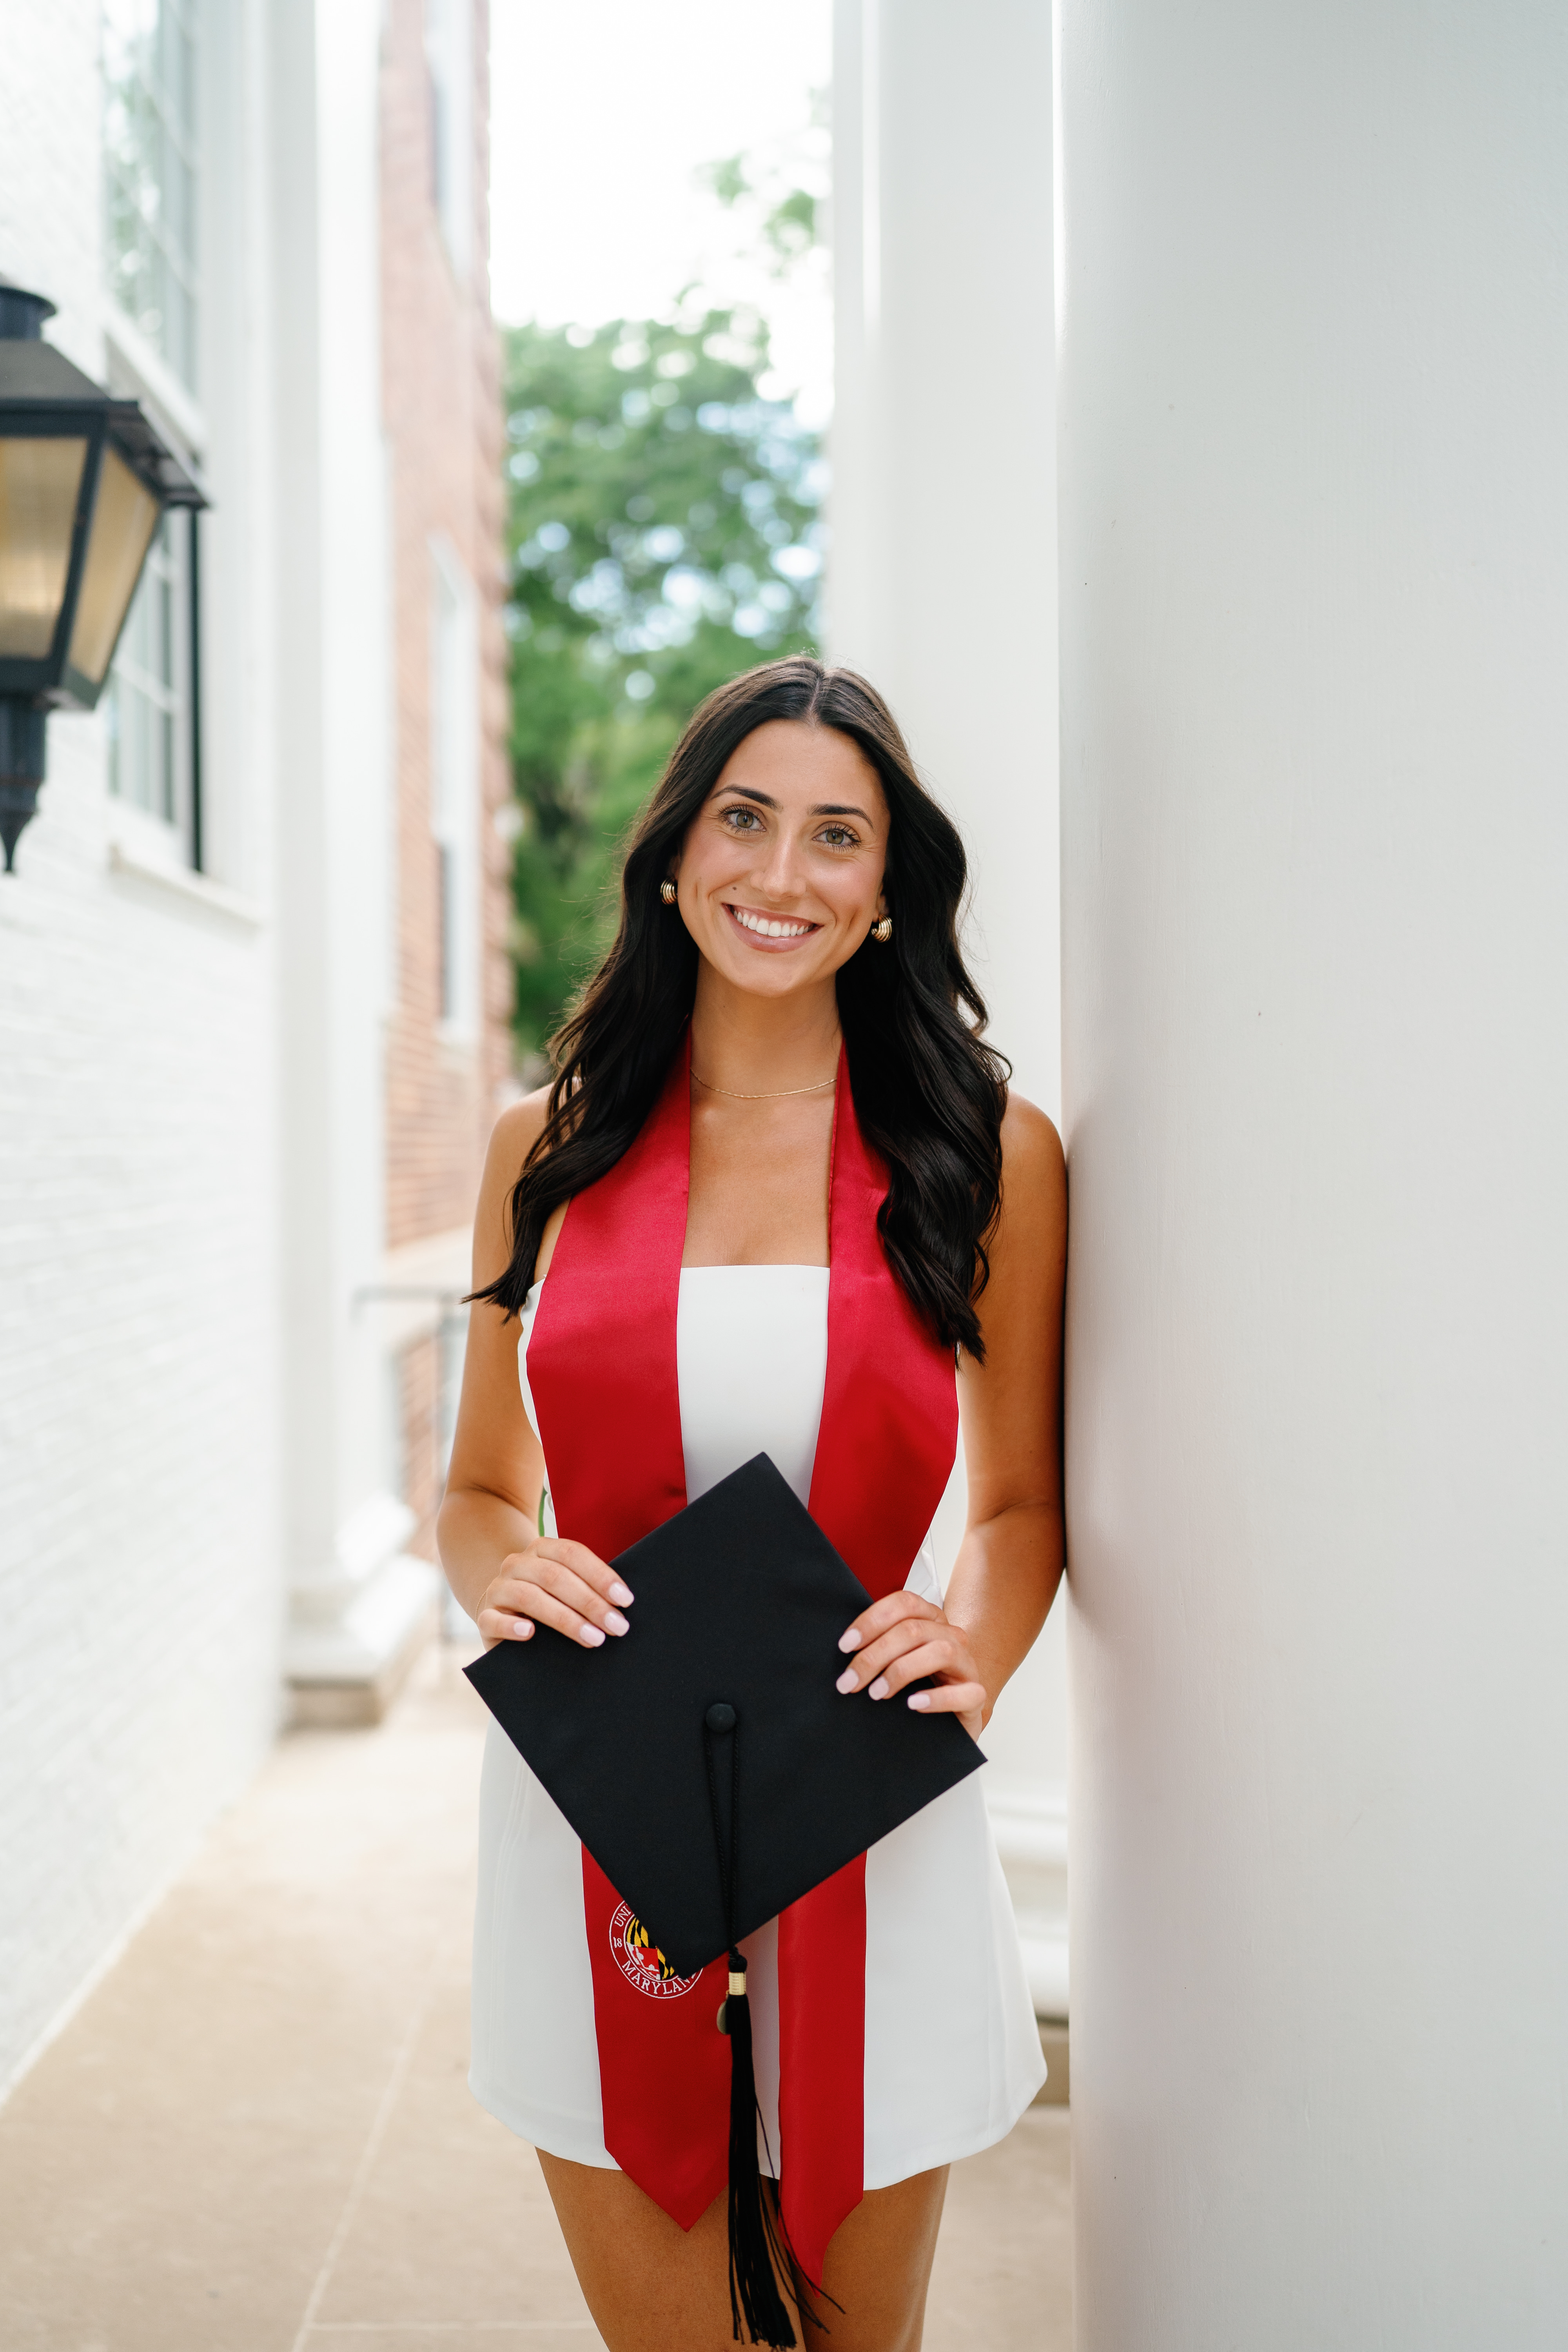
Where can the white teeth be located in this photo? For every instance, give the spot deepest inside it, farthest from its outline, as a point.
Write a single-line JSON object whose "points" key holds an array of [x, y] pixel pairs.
{"points": [[766, 928]]}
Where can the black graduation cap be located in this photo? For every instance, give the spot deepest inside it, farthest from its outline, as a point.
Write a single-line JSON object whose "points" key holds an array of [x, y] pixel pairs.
{"points": [[713, 1771], [725, 1679]]}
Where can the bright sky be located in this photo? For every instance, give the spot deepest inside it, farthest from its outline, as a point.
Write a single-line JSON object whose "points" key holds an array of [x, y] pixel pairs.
{"points": [[602, 112]]}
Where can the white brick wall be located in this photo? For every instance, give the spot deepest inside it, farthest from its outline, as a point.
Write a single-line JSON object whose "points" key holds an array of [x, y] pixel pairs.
{"points": [[141, 1577], [50, 164]]}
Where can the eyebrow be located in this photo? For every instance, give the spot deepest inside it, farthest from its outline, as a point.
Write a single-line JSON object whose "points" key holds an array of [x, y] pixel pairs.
{"points": [[822, 808]]}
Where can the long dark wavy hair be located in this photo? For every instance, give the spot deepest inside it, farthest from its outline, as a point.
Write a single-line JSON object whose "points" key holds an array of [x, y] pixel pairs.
{"points": [[928, 1093]]}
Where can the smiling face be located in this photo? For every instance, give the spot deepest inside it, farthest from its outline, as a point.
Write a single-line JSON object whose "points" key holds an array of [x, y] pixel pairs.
{"points": [[780, 875]]}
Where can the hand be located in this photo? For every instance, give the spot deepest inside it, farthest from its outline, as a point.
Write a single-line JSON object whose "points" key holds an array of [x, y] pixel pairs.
{"points": [[902, 1639], [553, 1581]]}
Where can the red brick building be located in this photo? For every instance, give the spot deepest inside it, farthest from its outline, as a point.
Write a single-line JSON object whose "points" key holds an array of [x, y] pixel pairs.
{"points": [[447, 1028]]}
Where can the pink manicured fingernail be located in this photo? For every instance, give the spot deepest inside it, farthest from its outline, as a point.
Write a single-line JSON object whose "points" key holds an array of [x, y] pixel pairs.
{"points": [[850, 1640], [879, 1688], [615, 1623], [590, 1635], [919, 1700], [618, 1593], [522, 1629], [848, 1681]]}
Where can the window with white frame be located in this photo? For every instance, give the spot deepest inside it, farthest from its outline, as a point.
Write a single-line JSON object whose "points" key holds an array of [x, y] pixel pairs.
{"points": [[151, 173], [455, 785], [151, 185], [149, 704], [449, 63]]}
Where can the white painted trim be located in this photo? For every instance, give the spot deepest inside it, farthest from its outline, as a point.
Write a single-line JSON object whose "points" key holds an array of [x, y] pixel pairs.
{"points": [[359, 1646], [1030, 1826], [1046, 1967], [871, 173], [455, 748], [458, 1038], [448, 52], [194, 888], [371, 1535], [157, 385]]}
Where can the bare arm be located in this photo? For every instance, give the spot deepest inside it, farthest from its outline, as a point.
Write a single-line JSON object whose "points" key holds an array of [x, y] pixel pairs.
{"points": [[1010, 1561], [507, 1576]]}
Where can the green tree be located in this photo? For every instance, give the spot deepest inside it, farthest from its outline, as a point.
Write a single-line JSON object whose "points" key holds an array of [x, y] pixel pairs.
{"points": [[662, 535]]}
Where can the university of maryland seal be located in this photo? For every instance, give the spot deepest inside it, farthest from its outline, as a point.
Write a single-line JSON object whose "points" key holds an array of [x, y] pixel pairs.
{"points": [[640, 1961]]}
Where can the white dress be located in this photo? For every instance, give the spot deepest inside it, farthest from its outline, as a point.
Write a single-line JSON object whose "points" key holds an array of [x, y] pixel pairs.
{"points": [[952, 2054]]}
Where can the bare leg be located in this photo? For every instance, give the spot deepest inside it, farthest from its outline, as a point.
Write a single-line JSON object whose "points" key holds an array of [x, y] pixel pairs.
{"points": [[651, 2285], [655, 2287], [878, 2267]]}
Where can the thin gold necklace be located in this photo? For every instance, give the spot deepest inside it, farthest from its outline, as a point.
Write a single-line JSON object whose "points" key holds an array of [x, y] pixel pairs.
{"points": [[820, 1088]]}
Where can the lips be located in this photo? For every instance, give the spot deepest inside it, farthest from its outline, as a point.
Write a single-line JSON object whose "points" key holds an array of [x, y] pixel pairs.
{"points": [[769, 927]]}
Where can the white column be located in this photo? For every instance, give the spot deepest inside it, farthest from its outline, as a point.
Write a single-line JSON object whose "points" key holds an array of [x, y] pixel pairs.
{"points": [[1314, 380], [941, 588], [359, 1607]]}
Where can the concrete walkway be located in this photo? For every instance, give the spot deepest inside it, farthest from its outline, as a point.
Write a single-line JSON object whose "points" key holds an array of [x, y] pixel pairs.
{"points": [[257, 2135]]}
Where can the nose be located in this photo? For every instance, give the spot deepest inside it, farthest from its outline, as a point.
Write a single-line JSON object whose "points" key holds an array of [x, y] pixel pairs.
{"points": [[778, 875]]}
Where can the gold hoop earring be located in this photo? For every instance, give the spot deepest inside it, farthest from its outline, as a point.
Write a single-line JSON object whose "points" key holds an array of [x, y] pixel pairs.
{"points": [[667, 891], [883, 932]]}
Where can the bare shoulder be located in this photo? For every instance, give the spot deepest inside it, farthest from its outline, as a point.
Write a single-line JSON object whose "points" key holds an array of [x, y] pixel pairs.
{"points": [[512, 1138], [1021, 1305], [514, 1135], [1034, 1167]]}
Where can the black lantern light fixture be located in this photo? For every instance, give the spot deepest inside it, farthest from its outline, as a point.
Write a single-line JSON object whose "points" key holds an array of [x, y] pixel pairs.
{"points": [[84, 483]]}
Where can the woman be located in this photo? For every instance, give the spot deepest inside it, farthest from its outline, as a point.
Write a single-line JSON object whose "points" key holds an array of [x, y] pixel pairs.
{"points": [[777, 1190]]}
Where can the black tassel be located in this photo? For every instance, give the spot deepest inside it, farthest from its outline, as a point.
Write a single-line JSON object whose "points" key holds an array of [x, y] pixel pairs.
{"points": [[756, 2256], [759, 2246]]}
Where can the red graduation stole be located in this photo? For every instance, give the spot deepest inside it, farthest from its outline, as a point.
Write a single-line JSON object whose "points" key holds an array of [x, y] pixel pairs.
{"points": [[601, 1369]]}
